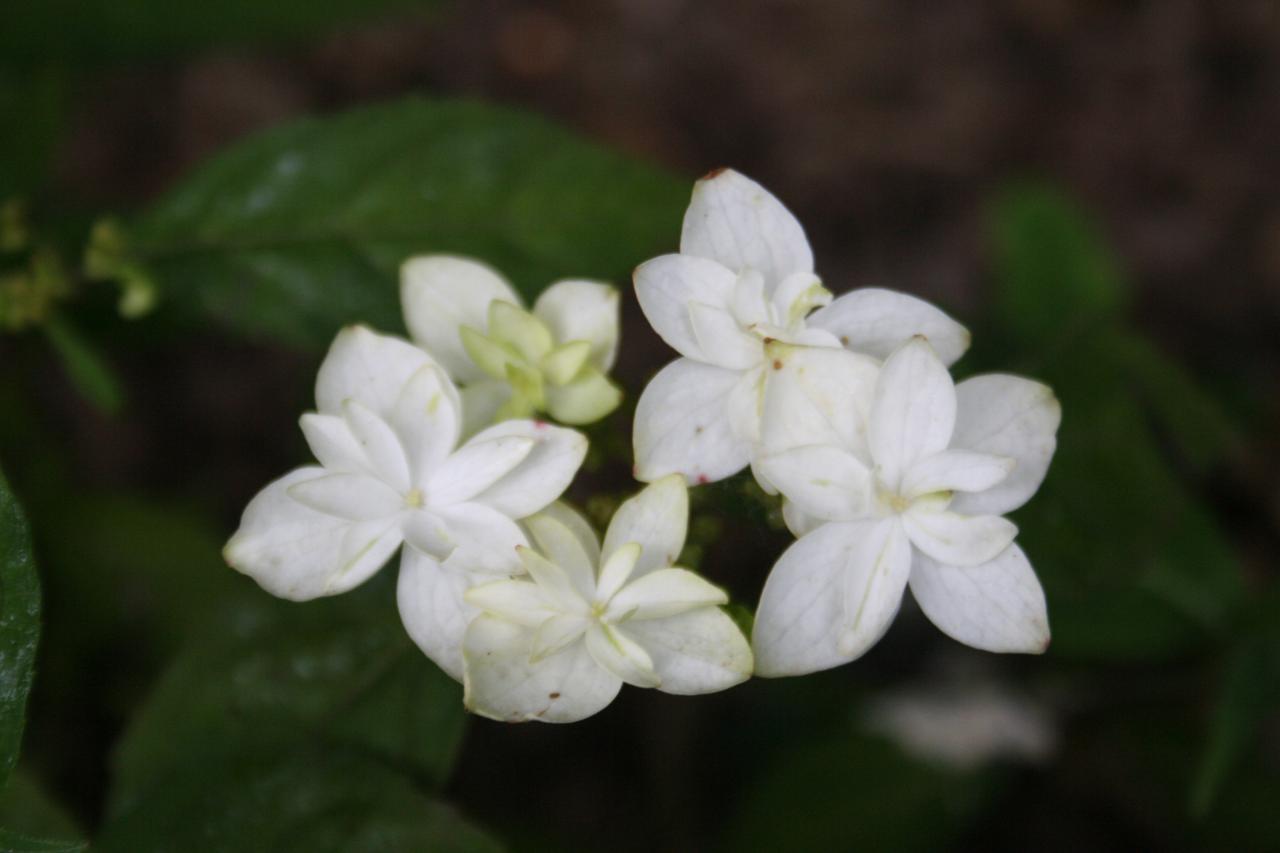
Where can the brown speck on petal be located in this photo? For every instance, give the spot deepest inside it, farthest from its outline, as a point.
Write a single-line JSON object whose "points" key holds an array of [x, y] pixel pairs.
{"points": [[553, 695], [714, 173], [777, 364]]}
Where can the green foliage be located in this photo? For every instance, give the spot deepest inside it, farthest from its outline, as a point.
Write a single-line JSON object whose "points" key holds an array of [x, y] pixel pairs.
{"points": [[31, 821], [302, 229], [19, 625], [87, 368], [334, 671], [309, 800]]}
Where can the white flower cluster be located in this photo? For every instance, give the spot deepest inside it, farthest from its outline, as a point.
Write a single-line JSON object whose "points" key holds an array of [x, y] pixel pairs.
{"points": [[889, 473]]}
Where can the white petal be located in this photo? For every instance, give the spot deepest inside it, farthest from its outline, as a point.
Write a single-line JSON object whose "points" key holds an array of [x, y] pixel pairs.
{"points": [[366, 366], [427, 417], [553, 582], [355, 497], [621, 655], [556, 633], [801, 612], [799, 522], [1013, 417], [519, 601], [585, 400], [294, 552], [724, 343], [959, 540], [578, 526], [749, 304], [701, 651], [582, 311], [821, 480], [914, 410], [333, 445], [735, 221], [432, 607], [877, 574], [616, 570], [876, 322], [682, 425], [565, 548], [379, 444], [997, 606], [665, 592], [543, 475], [797, 295], [481, 401], [955, 471], [502, 684], [428, 532], [656, 519], [817, 396], [440, 294], [746, 404], [485, 539], [476, 466], [665, 287]]}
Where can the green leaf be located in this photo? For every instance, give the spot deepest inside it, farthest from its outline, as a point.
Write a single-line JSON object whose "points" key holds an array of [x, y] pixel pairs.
{"points": [[19, 625], [87, 369], [321, 800], [1056, 276], [299, 230], [330, 671], [16, 842], [29, 819]]}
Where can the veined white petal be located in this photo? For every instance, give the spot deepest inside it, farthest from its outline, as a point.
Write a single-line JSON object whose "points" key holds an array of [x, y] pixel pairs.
{"points": [[666, 285], [621, 655], [517, 600], [333, 445], [682, 425], [821, 480], [733, 220], [724, 343], [486, 539], [877, 574], [432, 608], [503, 684], [555, 633], [587, 399], [481, 401], [366, 366], [958, 540], [701, 651], [427, 416], [656, 519], [563, 547], [914, 410], [554, 582], [543, 475], [955, 471], [617, 570], [662, 593], [577, 310], [440, 294], [749, 305], [355, 497], [379, 443], [797, 295], [877, 321], [816, 396], [297, 553], [474, 467], [1013, 417], [746, 404], [801, 612], [997, 606]]}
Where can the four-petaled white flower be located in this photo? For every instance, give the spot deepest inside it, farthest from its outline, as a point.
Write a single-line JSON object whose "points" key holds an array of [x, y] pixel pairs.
{"points": [[558, 646], [744, 276], [390, 472], [511, 363], [894, 475]]}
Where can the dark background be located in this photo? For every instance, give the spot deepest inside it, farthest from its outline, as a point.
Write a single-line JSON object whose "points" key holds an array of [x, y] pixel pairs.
{"points": [[892, 130]]}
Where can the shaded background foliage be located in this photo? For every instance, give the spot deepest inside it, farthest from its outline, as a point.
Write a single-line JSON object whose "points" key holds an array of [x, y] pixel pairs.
{"points": [[1091, 187]]}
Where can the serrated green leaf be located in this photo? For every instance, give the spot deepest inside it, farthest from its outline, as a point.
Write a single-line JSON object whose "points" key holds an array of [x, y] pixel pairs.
{"points": [[336, 670], [311, 800], [299, 230], [19, 625]]}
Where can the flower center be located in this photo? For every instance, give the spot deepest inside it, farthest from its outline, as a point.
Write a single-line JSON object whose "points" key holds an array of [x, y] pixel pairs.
{"points": [[414, 498]]}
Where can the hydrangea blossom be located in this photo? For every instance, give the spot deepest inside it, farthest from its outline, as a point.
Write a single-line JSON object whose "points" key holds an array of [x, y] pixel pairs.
{"points": [[558, 645], [895, 476], [391, 472], [744, 276], [509, 362]]}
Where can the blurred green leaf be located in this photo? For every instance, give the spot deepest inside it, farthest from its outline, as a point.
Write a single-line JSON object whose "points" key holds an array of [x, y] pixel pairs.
{"points": [[29, 817], [19, 625], [15, 842], [86, 31], [33, 105], [297, 231], [335, 670], [321, 800], [87, 369]]}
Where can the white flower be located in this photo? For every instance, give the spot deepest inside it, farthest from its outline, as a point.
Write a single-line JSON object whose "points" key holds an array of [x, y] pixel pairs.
{"points": [[744, 275], [390, 471], [894, 476], [512, 363], [557, 647]]}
